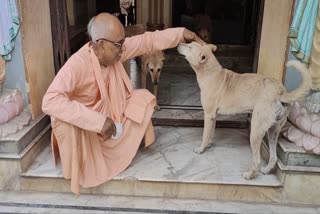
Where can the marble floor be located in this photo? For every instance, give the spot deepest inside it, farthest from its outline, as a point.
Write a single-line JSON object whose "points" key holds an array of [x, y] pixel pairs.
{"points": [[178, 89], [171, 159]]}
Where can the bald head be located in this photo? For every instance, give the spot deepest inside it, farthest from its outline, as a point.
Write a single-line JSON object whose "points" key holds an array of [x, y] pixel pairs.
{"points": [[105, 25]]}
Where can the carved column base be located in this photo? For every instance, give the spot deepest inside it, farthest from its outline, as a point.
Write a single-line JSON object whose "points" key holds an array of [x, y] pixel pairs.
{"points": [[16, 124], [12, 116]]}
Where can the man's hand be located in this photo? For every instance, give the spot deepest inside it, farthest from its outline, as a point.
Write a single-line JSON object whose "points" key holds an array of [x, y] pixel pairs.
{"points": [[190, 36], [108, 129]]}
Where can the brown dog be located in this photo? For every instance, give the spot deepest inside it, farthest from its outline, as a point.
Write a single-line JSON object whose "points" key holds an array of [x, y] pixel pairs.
{"points": [[203, 27], [150, 63], [227, 92]]}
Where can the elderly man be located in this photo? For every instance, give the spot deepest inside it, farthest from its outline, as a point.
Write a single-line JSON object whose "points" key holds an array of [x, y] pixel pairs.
{"points": [[98, 120]]}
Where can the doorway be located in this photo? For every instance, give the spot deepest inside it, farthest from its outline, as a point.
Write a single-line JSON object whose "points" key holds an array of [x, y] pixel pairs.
{"points": [[69, 19], [236, 27]]}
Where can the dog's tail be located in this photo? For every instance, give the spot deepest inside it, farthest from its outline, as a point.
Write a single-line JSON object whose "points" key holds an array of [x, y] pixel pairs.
{"points": [[304, 87]]}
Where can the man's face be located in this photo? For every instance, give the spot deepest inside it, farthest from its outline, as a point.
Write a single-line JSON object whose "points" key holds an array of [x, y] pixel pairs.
{"points": [[110, 49]]}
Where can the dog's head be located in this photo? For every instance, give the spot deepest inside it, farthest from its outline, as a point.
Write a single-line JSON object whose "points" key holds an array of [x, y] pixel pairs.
{"points": [[204, 34], [198, 55], [154, 65]]}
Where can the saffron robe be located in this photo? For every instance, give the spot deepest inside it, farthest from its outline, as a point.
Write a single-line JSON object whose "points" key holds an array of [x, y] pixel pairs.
{"points": [[80, 98]]}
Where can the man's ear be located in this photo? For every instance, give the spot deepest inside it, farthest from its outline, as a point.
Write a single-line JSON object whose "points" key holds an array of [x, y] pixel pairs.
{"points": [[212, 47], [100, 46]]}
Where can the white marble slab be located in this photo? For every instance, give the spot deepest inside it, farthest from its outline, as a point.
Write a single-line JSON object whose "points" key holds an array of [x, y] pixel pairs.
{"points": [[171, 159], [43, 166]]}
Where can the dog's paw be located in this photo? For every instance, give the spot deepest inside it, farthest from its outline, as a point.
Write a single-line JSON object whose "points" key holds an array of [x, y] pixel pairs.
{"points": [[157, 107], [265, 170], [198, 150], [209, 146], [249, 175]]}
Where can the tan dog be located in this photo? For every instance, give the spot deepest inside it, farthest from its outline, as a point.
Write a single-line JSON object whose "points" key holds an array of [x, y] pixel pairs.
{"points": [[150, 63], [227, 92]]}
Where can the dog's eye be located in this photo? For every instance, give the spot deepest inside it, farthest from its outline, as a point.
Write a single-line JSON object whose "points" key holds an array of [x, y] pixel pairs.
{"points": [[158, 69], [151, 69], [203, 57]]}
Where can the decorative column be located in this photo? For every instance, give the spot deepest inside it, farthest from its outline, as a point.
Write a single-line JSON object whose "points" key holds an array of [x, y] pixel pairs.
{"points": [[2, 73], [12, 115]]}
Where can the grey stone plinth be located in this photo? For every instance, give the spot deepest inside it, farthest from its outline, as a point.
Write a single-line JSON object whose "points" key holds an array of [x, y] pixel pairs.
{"points": [[292, 155]]}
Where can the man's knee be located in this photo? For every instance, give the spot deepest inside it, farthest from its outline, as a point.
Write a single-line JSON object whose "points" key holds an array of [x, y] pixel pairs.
{"points": [[64, 131]]}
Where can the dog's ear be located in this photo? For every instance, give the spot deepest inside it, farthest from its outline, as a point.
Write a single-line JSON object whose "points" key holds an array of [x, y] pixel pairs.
{"points": [[203, 58], [212, 47]]}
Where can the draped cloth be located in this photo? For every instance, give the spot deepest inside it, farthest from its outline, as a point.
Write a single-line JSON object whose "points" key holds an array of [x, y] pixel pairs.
{"points": [[9, 27], [302, 29], [80, 98], [313, 101]]}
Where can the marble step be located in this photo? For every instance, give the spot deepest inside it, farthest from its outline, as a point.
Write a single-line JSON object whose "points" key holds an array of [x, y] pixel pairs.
{"points": [[12, 165], [16, 143], [170, 168], [238, 58], [240, 64], [234, 50], [37, 202], [224, 50]]}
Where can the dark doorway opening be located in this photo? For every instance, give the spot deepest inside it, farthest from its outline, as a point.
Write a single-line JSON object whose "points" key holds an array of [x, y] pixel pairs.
{"points": [[231, 21], [69, 19]]}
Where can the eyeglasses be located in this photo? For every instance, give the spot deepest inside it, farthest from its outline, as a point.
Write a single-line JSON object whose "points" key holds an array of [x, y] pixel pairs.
{"points": [[118, 44]]}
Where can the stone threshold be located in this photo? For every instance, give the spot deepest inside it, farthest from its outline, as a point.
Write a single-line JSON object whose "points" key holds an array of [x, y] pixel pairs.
{"points": [[193, 116]]}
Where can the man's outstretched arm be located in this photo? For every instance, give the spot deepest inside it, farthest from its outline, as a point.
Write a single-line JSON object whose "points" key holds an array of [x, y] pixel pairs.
{"points": [[158, 40]]}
